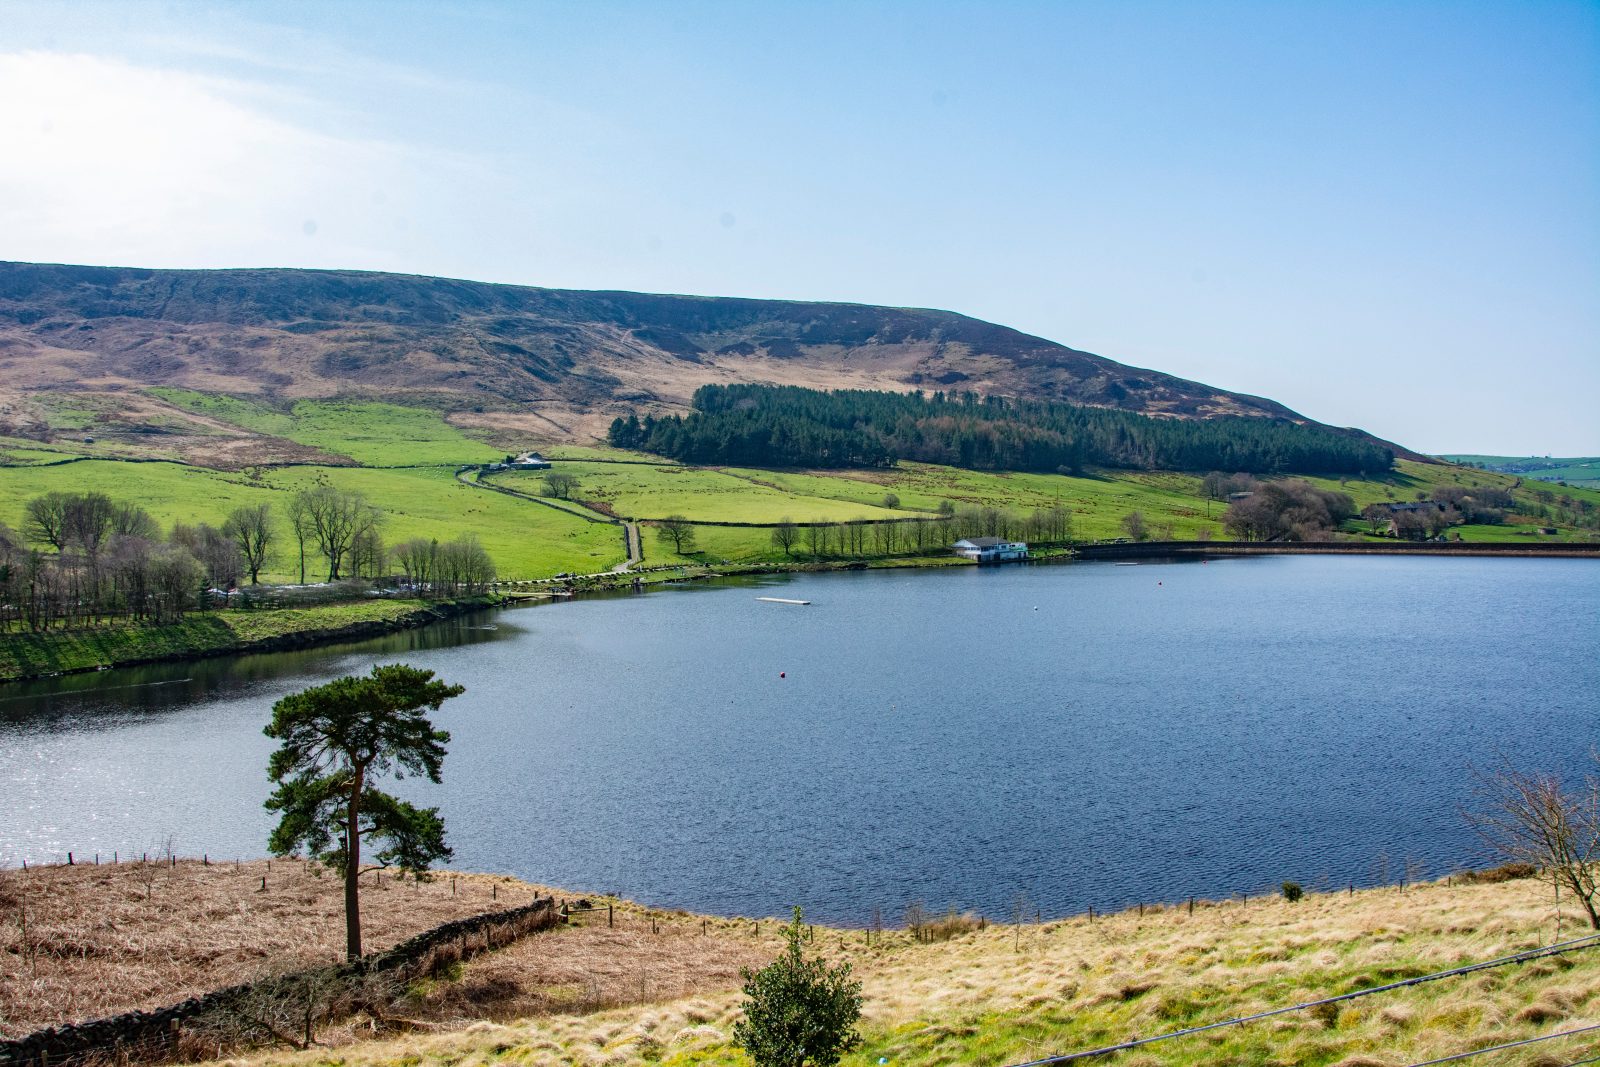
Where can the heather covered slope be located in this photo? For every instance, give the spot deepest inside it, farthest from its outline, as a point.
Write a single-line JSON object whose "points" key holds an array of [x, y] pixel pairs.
{"points": [[302, 333]]}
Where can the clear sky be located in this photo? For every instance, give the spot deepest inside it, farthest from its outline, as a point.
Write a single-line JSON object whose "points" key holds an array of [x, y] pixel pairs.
{"points": [[1381, 214]]}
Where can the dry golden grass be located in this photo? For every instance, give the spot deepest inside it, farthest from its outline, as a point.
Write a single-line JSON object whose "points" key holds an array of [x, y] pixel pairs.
{"points": [[88, 941], [1001, 995], [663, 987]]}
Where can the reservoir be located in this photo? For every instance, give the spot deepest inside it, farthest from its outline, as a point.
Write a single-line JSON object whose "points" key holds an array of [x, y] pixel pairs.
{"points": [[1053, 737]]}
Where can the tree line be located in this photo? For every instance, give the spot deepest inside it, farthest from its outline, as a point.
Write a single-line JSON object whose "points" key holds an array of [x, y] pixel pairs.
{"points": [[1285, 510], [86, 559], [863, 539], [790, 426]]}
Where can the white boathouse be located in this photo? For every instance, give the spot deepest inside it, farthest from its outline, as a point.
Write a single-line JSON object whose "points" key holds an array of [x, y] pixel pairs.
{"points": [[990, 549]]}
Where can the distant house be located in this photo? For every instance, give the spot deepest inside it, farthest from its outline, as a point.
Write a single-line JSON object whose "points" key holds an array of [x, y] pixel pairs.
{"points": [[530, 461], [990, 549], [1396, 507]]}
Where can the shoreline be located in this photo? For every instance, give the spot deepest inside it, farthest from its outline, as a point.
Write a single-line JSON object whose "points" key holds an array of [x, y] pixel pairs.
{"points": [[1374, 547], [427, 613], [212, 644]]}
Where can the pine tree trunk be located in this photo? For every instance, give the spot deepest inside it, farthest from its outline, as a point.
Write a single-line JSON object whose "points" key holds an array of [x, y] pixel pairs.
{"points": [[352, 872]]}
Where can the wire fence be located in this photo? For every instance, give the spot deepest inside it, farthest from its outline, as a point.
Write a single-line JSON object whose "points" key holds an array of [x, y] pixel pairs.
{"points": [[1575, 945]]}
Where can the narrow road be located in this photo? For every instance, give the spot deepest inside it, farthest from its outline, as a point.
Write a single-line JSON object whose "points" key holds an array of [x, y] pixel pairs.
{"points": [[635, 549], [630, 530]]}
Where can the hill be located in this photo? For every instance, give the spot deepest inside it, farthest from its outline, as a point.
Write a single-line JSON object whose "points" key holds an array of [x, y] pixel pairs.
{"points": [[558, 363]]}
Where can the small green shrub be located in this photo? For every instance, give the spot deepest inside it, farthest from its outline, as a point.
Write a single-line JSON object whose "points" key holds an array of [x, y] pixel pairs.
{"points": [[1292, 891], [800, 1012]]}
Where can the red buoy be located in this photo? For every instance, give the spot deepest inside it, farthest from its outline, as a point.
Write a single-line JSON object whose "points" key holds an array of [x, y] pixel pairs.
{"points": [[782, 675]]}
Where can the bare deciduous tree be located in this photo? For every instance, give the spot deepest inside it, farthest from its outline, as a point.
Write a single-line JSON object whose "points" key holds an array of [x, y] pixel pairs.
{"points": [[561, 486], [45, 520], [250, 528], [300, 526], [677, 530], [336, 519], [786, 535], [816, 537], [1531, 817]]}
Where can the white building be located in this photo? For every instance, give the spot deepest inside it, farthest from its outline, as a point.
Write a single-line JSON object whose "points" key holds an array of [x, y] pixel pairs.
{"points": [[990, 549]]}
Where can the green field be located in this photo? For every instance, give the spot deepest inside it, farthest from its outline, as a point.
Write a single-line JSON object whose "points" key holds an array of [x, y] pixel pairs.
{"points": [[525, 539], [408, 455], [18, 452], [1575, 470], [371, 433], [634, 491]]}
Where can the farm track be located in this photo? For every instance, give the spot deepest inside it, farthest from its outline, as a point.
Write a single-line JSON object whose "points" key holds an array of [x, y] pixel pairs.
{"points": [[631, 540]]}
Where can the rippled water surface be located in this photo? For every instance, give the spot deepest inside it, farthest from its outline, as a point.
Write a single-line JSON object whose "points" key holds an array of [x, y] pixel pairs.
{"points": [[1088, 734]]}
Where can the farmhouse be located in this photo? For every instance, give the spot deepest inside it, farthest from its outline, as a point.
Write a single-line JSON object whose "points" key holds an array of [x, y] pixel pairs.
{"points": [[990, 549], [528, 461]]}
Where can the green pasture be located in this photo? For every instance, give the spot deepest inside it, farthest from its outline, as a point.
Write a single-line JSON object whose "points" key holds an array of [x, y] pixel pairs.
{"points": [[1410, 478], [1574, 470], [529, 540], [580, 452], [701, 494], [526, 540], [17, 451], [369, 432]]}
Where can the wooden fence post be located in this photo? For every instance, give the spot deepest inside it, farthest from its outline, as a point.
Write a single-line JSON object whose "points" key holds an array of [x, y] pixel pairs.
{"points": [[611, 919]]}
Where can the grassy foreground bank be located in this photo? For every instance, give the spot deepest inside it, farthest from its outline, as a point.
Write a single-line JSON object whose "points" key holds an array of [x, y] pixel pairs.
{"points": [[662, 987], [1006, 994], [211, 633]]}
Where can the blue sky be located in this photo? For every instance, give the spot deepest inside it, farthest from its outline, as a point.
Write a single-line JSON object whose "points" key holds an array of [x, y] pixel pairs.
{"points": [[1380, 214]]}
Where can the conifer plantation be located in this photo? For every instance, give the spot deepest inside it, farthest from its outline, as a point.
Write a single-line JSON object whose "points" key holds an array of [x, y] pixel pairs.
{"points": [[789, 426]]}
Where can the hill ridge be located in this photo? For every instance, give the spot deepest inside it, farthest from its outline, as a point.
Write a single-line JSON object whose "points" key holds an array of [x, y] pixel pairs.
{"points": [[581, 355]]}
